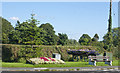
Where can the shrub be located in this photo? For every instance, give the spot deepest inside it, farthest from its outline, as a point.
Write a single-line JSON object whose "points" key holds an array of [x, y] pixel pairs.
{"points": [[116, 53], [71, 69], [13, 53], [78, 69], [45, 70], [22, 60]]}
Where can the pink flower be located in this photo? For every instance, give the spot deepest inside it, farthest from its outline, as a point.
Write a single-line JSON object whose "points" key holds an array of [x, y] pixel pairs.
{"points": [[45, 59], [51, 59]]}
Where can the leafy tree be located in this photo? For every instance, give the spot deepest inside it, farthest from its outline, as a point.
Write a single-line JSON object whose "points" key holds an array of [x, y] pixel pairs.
{"points": [[95, 38], [72, 42], [14, 37], [98, 44], [108, 41], [6, 28], [63, 39], [114, 35], [50, 38], [28, 33], [119, 41], [85, 39], [115, 32]]}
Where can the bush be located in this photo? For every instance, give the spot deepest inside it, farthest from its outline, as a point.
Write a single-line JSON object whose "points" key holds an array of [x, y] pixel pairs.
{"points": [[14, 53], [6, 53], [116, 53], [22, 60], [45, 70]]}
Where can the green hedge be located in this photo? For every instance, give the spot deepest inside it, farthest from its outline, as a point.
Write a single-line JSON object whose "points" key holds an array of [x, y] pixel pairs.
{"points": [[19, 53]]}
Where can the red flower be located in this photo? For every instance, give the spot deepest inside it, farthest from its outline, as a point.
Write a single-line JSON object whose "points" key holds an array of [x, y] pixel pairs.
{"points": [[51, 59], [45, 59]]}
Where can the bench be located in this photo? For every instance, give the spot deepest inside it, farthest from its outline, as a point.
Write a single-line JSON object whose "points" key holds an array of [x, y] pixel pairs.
{"points": [[94, 59]]}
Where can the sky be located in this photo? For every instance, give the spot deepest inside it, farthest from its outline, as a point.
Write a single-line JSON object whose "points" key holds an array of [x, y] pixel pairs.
{"points": [[72, 18]]}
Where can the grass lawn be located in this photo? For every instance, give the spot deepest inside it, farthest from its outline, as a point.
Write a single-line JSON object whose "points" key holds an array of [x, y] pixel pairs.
{"points": [[67, 64]]}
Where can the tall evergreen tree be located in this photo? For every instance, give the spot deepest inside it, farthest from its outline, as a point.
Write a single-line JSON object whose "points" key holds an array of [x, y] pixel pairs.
{"points": [[108, 40], [28, 33]]}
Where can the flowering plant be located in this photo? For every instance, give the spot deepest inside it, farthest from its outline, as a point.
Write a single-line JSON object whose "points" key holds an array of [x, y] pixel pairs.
{"points": [[45, 60], [83, 52]]}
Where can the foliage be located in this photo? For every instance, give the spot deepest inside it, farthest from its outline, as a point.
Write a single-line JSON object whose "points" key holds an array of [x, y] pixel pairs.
{"points": [[108, 38], [50, 38], [111, 41], [6, 28], [14, 37], [98, 44], [27, 33], [116, 53], [95, 38], [6, 53], [108, 41], [119, 40], [13, 53], [22, 60], [115, 32], [72, 42], [85, 39], [63, 39]]}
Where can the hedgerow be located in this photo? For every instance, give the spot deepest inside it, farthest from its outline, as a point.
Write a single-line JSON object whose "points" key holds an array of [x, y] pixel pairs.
{"points": [[20, 53]]}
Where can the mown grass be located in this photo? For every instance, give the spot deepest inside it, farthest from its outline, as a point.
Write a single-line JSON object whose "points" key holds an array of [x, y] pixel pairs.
{"points": [[67, 64]]}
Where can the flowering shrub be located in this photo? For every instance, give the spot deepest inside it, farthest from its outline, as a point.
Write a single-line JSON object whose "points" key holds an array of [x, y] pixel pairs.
{"points": [[45, 60], [83, 51]]}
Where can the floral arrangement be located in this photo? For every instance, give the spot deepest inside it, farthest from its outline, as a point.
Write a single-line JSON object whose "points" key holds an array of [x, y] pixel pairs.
{"points": [[45, 60]]}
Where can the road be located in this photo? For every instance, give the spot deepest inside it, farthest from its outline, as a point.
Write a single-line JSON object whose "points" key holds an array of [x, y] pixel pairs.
{"points": [[107, 68]]}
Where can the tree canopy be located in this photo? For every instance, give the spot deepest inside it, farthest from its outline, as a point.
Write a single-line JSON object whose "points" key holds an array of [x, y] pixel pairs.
{"points": [[50, 38], [115, 33], [6, 28], [63, 39], [27, 33], [85, 39], [95, 38]]}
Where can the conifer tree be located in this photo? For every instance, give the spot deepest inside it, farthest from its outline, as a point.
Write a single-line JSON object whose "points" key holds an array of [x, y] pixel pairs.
{"points": [[108, 40]]}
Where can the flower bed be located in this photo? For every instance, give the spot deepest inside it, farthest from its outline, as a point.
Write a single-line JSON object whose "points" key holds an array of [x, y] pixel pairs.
{"points": [[45, 60]]}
